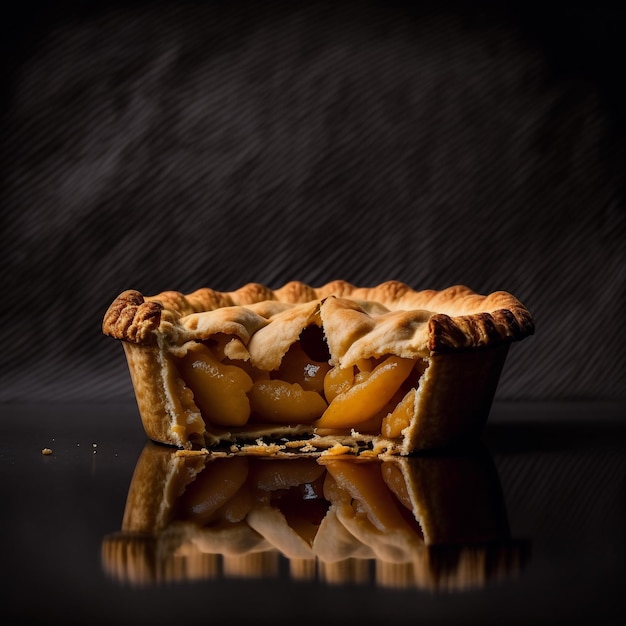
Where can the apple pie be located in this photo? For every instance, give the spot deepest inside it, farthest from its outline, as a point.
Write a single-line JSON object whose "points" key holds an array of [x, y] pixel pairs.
{"points": [[333, 370]]}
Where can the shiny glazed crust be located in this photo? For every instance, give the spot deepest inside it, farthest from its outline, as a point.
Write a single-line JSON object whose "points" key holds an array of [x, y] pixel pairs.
{"points": [[462, 335]]}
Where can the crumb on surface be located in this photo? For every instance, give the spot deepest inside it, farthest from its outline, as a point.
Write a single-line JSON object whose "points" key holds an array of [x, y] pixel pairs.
{"points": [[46, 451], [201, 452], [337, 450]]}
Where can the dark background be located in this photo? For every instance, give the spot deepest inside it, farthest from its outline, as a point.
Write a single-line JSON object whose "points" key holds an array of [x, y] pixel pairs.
{"points": [[176, 145]]}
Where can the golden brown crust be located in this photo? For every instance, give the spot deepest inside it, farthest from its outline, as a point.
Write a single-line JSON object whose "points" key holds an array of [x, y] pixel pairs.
{"points": [[131, 318], [454, 398], [458, 317]]}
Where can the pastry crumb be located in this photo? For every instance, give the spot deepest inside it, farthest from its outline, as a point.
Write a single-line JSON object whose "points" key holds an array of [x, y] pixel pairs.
{"points": [[46, 451], [336, 450], [185, 453]]}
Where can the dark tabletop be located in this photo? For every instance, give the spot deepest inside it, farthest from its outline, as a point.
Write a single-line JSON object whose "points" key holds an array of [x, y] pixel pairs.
{"points": [[561, 468]]}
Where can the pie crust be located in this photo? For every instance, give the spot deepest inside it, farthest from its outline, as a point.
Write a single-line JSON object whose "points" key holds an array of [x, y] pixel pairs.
{"points": [[454, 341], [431, 521]]}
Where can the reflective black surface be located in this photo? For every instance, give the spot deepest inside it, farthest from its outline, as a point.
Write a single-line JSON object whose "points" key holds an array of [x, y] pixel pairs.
{"points": [[561, 468]]}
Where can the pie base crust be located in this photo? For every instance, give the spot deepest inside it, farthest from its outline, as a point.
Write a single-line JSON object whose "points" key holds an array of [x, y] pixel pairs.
{"points": [[463, 338]]}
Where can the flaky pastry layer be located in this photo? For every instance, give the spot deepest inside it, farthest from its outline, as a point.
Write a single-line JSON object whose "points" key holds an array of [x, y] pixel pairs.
{"points": [[454, 318]]}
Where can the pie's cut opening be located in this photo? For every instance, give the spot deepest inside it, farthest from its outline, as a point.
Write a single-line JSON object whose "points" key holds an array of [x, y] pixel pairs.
{"points": [[375, 396]]}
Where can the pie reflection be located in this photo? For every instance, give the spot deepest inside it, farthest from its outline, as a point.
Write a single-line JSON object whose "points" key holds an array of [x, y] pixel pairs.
{"points": [[426, 522]]}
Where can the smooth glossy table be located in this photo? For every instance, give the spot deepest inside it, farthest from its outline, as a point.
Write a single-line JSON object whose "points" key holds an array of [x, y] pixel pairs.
{"points": [[562, 469]]}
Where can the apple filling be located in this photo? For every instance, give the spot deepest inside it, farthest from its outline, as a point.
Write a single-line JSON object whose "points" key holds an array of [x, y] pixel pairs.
{"points": [[376, 395]]}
